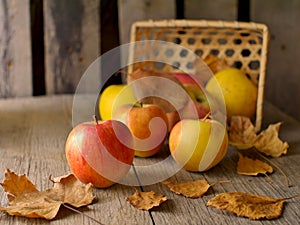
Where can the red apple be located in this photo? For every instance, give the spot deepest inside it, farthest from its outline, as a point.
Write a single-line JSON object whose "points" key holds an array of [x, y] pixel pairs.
{"points": [[100, 153], [194, 87], [148, 124]]}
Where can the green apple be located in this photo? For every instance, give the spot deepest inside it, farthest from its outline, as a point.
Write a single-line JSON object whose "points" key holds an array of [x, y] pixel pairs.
{"points": [[198, 145], [114, 96]]}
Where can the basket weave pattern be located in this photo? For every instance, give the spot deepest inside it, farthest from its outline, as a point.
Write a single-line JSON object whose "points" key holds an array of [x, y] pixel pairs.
{"points": [[243, 45]]}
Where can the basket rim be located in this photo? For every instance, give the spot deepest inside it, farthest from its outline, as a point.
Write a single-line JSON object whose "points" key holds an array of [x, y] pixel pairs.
{"points": [[200, 23]]}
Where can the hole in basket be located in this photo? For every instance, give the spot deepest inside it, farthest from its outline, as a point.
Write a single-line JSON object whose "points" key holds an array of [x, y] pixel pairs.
{"points": [[199, 52], [259, 51], [229, 33], [191, 41], [189, 65], [181, 32], [254, 65], [237, 64], [237, 41], [167, 32], [252, 42], [229, 52], [245, 34], [158, 65], [183, 53], [176, 65], [197, 32], [245, 52], [177, 40], [169, 52], [206, 41], [214, 52], [222, 41], [212, 32], [155, 52]]}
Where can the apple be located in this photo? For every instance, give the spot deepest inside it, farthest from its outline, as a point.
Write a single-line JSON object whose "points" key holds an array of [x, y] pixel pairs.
{"points": [[99, 152], [238, 92], [198, 145], [148, 124], [112, 97]]}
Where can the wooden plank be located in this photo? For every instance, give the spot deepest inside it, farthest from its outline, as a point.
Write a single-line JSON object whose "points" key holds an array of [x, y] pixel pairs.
{"points": [[15, 49], [32, 137], [282, 80], [135, 10], [211, 10], [71, 42]]}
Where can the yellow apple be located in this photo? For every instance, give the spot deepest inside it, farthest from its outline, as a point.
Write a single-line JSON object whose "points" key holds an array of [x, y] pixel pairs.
{"points": [[198, 145], [239, 92], [114, 96]]}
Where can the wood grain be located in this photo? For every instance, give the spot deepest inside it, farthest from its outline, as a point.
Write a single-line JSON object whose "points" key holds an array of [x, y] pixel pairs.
{"points": [[32, 136], [15, 49], [71, 42], [282, 80]]}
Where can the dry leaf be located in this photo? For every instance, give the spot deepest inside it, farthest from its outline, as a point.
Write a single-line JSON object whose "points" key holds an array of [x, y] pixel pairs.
{"points": [[155, 91], [26, 200], [243, 136], [252, 167], [248, 205], [269, 143], [192, 189], [146, 200], [242, 132]]}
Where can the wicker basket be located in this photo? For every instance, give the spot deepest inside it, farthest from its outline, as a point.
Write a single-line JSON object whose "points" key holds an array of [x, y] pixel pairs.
{"points": [[243, 45]]}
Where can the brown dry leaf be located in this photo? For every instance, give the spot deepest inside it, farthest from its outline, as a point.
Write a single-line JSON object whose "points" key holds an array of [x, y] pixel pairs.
{"points": [[192, 189], [146, 200], [242, 132], [152, 90], [269, 143], [252, 167], [248, 205], [29, 202], [243, 136]]}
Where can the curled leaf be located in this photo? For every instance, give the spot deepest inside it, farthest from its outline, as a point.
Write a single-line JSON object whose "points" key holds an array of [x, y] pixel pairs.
{"points": [[242, 132], [29, 202], [192, 189], [146, 200], [252, 167], [269, 143], [243, 136], [248, 205]]}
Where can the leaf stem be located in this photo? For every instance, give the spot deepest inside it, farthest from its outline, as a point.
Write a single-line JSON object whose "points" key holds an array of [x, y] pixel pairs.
{"points": [[276, 166], [77, 211]]}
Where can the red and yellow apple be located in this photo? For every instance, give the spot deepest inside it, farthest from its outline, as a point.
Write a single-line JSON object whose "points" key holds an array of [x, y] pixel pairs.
{"points": [[148, 124], [114, 96], [198, 145], [198, 100], [99, 153]]}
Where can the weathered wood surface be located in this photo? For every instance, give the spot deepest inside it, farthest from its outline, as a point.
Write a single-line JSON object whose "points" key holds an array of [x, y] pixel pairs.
{"points": [[32, 136], [15, 49], [72, 41], [283, 78]]}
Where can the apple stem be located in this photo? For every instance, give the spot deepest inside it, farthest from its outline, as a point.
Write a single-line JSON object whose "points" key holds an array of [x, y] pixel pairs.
{"points": [[206, 116], [95, 119]]}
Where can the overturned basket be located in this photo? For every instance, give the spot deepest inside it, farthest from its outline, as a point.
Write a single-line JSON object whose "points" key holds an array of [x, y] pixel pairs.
{"points": [[243, 45]]}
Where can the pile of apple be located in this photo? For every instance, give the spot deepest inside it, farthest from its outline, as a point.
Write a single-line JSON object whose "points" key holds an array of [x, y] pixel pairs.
{"points": [[102, 152]]}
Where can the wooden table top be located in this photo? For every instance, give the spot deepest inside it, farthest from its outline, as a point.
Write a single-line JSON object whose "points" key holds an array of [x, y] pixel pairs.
{"points": [[33, 131]]}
